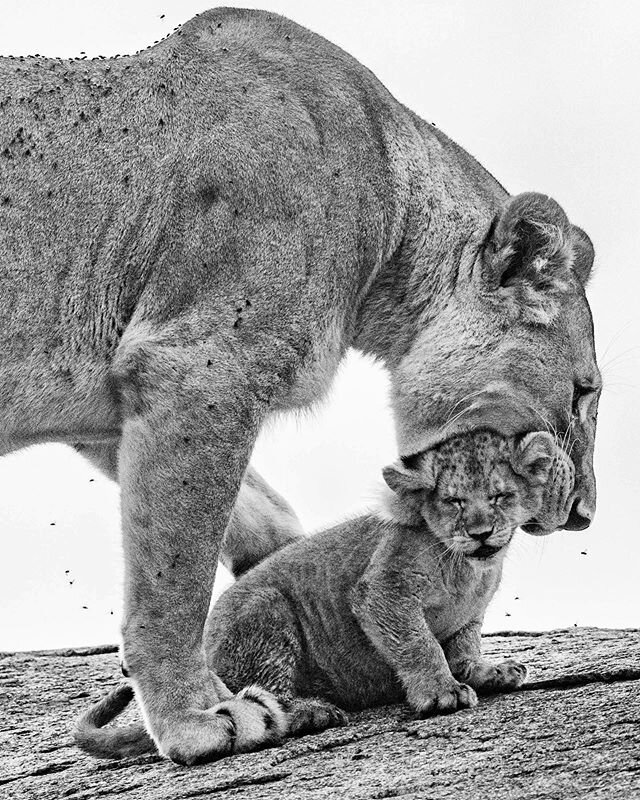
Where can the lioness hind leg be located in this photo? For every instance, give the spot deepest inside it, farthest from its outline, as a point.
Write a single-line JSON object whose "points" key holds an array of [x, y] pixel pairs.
{"points": [[312, 715], [261, 522], [103, 455]]}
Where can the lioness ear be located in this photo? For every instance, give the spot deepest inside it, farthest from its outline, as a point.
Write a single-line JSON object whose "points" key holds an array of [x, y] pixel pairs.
{"points": [[583, 254], [533, 456], [411, 473], [533, 246]]}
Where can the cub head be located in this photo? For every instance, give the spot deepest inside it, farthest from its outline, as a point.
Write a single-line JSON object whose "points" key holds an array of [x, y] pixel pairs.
{"points": [[474, 490], [510, 347]]}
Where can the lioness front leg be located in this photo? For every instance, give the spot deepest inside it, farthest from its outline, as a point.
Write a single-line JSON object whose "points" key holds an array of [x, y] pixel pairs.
{"points": [[261, 521], [187, 435], [393, 620], [463, 652]]}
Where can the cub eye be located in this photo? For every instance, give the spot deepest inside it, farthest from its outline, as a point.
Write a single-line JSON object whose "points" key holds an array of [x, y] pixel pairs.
{"points": [[501, 497], [456, 502]]}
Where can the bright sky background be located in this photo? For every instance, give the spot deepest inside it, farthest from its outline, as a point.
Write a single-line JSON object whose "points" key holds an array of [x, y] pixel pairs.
{"points": [[545, 95]]}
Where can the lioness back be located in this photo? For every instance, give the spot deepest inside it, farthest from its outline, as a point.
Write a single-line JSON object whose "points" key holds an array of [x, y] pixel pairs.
{"points": [[136, 177]]}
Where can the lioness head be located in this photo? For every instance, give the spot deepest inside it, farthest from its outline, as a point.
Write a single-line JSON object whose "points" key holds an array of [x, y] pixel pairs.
{"points": [[475, 489], [512, 350]]}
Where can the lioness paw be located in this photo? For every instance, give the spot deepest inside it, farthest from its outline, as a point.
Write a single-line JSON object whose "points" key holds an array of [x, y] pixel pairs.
{"points": [[505, 677], [444, 699], [247, 721], [256, 717], [196, 737]]}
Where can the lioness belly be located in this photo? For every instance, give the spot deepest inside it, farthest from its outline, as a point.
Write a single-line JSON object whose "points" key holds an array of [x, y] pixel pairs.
{"points": [[74, 240]]}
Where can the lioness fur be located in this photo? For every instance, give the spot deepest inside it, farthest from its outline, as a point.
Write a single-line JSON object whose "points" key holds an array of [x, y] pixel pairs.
{"points": [[373, 610], [190, 240]]}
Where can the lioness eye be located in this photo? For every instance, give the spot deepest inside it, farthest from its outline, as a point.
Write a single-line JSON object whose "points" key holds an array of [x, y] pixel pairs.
{"points": [[455, 501], [580, 391]]}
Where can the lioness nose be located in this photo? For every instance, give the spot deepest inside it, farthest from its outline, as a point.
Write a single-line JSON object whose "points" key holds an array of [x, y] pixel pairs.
{"points": [[580, 516], [481, 536]]}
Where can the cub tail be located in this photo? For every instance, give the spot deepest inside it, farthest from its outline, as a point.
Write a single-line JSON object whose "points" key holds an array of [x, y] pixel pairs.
{"points": [[132, 740]]}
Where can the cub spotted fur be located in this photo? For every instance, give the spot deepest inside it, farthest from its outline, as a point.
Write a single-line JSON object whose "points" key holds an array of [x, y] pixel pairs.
{"points": [[373, 611]]}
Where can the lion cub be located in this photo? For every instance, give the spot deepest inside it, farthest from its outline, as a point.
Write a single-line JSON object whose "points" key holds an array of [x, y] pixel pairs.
{"points": [[375, 610]]}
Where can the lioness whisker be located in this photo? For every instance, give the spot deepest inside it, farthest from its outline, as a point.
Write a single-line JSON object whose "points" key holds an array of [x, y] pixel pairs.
{"points": [[460, 401]]}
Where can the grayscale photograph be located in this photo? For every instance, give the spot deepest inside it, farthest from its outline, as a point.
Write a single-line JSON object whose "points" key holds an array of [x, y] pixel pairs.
{"points": [[319, 357]]}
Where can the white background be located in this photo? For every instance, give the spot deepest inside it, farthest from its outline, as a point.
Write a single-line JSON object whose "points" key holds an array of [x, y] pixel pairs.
{"points": [[545, 95]]}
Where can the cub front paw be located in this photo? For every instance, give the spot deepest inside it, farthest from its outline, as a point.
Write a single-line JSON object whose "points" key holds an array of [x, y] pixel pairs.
{"points": [[443, 699], [505, 677]]}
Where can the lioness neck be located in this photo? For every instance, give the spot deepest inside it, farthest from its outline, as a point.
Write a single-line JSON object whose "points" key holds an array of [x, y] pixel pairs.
{"points": [[451, 202]]}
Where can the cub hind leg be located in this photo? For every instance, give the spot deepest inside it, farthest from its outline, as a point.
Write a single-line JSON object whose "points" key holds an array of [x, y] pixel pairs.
{"points": [[252, 637], [259, 718], [252, 642], [256, 719]]}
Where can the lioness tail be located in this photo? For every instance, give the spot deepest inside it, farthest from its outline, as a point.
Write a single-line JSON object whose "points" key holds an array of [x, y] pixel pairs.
{"points": [[124, 742], [254, 718]]}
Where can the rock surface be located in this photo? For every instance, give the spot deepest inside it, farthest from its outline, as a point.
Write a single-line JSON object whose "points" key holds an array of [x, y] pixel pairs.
{"points": [[573, 732]]}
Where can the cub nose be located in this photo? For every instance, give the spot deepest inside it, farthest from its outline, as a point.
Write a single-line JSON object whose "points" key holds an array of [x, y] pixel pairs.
{"points": [[481, 536]]}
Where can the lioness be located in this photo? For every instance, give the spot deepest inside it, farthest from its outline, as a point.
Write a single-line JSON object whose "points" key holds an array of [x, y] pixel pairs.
{"points": [[372, 611], [190, 240]]}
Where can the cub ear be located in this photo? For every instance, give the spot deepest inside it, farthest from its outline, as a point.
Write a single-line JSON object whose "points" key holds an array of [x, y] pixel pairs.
{"points": [[411, 473], [532, 245], [533, 456]]}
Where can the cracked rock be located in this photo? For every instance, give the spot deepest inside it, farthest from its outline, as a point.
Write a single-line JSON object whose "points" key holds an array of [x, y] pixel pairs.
{"points": [[573, 732]]}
